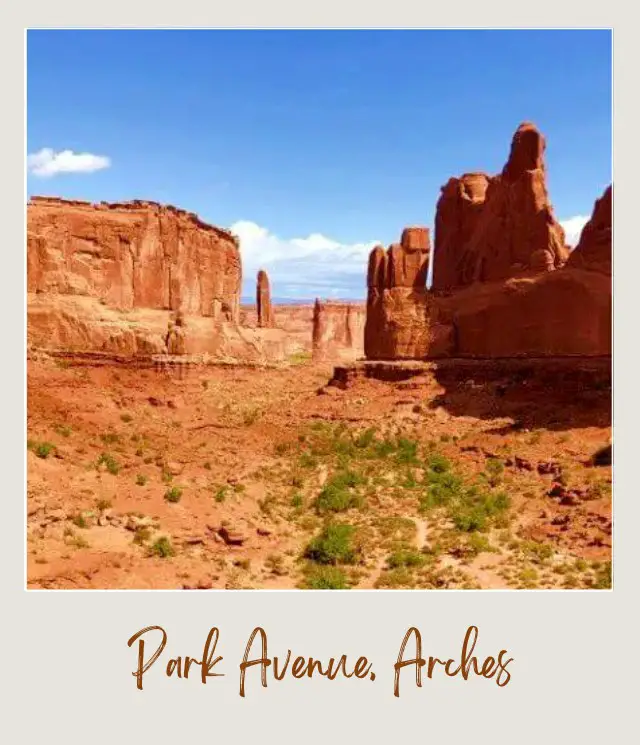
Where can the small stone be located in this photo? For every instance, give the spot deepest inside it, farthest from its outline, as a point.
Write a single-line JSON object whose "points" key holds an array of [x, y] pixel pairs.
{"points": [[523, 464], [155, 401], [549, 467], [569, 500], [194, 540], [174, 468], [231, 537], [263, 530]]}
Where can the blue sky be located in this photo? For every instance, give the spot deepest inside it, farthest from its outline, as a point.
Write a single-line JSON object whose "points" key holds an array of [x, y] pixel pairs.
{"points": [[312, 145]]}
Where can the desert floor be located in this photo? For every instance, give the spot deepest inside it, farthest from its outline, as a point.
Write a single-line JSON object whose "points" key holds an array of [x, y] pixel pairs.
{"points": [[264, 478]]}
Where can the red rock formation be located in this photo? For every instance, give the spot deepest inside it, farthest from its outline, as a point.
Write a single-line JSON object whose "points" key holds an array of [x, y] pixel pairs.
{"points": [[509, 228], [397, 298], [457, 214], [108, 278], [558, 314], [593, 251], [133, 255], [263, 301], [338, 331]]}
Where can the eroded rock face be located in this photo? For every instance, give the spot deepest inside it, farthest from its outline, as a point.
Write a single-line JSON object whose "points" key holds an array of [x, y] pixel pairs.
{"points": [[457, 214], [263, 301], [593, 251], [494, 228], [397, 298], [133, 255], [338, 331], [563, 313]]}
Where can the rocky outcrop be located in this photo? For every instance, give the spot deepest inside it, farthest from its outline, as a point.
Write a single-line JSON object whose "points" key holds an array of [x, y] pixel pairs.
{"points": [[137, 279], [504, 282], [397, 298], [338, 331], [133, 255], [457, 215], [263, 301], [594, 249], [495, 228]]}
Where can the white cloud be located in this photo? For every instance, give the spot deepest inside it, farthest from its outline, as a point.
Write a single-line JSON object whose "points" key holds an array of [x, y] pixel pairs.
{"points": [[573, 227], [315, 266], [47, 162]]}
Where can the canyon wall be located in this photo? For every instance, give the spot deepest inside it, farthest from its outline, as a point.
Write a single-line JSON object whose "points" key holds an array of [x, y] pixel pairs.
{"points": [[135, 279], [133, 255]]}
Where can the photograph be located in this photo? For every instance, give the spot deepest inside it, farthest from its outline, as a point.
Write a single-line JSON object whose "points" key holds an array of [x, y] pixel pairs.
{"points": [[318, 309]]}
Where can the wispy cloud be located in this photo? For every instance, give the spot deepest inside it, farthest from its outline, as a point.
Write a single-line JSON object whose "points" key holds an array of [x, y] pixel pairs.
{"points": [[573, 227], [315, 266], [46, 162]]}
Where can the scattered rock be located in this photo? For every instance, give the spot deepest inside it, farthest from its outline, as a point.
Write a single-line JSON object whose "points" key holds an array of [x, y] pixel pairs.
{"points": [[569, 500], [174, 468], [230, 536], [194, 540], [56, 515], [328, 390], [557, 490], [549, 467], [134, 522]]}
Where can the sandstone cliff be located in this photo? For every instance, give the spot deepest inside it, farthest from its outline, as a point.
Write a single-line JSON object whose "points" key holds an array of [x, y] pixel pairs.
{"points": [[133, 255]]}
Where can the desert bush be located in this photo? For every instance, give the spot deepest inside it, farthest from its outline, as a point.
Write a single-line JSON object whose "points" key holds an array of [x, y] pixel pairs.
{"points": [[173, 494], [334, 545]]}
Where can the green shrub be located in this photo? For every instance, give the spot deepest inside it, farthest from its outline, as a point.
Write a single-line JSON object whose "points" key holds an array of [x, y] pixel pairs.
{"points": [[365, 439], [334, 545], [337, 495], [141, 480], [603, 577], [162, 547], [80, 521], [406, 451], [173, 495], [494, 468], [326, 578], [406, 557], [110, 463], [438, 463], [44, 449]]}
